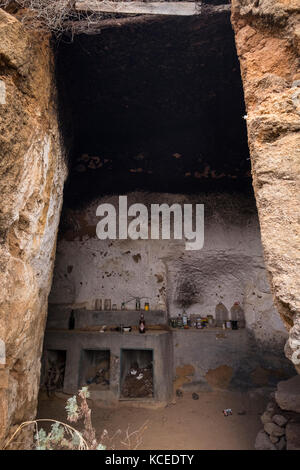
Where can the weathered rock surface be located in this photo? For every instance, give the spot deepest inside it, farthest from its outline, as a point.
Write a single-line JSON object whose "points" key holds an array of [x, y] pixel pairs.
{"points": [[32, 174], [274, 439], [268, 45], [288, 394], [293, 436], [263, 442], [266, 417], [279, 420], [281, 445], [273, 430]]}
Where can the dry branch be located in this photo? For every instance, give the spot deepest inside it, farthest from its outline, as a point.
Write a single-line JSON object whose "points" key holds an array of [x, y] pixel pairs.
{"points": [[86, 16]]}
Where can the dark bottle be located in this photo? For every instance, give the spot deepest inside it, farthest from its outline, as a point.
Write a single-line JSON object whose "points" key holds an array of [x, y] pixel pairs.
{"points": [[142, 326], [72, 321]]}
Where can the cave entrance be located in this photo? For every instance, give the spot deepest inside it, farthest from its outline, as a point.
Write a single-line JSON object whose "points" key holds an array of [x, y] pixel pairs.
{"points": [[154, 110]]}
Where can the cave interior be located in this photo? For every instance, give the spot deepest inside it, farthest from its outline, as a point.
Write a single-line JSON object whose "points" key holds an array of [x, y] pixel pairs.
{"points": [[155, 107]]}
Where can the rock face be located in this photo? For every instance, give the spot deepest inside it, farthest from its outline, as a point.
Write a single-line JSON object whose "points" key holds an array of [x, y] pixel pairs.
{"points": [[293, 436], [268, 44], [281, 420], [32, 174], [263, 442], [288, 394]]}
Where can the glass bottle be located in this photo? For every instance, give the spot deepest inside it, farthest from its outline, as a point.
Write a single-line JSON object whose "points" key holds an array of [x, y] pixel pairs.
{"points": [[222, 314], [72, 320], [179, 321], [142, 325], [238, 315]]}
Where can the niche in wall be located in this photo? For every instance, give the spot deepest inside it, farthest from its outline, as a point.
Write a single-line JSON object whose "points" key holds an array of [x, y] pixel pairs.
{"points": [[95, 369], [137, 379]]}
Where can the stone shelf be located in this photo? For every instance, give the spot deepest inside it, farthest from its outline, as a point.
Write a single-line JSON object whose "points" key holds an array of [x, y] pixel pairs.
{"points": [[75, 342]]}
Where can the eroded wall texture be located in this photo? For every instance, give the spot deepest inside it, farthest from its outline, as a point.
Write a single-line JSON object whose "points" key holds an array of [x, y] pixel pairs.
{"points": [[229, 267], [267, 34], [32, 173]]}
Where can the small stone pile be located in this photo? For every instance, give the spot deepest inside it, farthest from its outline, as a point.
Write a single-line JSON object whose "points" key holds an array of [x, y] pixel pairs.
{"points": [[281, 420]]}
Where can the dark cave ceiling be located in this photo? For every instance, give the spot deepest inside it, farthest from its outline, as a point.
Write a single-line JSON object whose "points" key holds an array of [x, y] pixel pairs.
{"points": [[154, 106]]}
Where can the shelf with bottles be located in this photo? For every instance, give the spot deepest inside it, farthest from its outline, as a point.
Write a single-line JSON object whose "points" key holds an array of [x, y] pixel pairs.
{"points": [[136, 305], [198, 322]]}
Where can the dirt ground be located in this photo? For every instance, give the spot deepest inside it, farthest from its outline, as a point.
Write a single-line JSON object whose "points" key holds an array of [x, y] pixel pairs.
{"points": [[187, 424]]}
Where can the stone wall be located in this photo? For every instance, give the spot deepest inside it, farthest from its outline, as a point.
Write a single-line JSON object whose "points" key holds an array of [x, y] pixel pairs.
{"points": [[32, 173], [267, 34], [229, 268]]}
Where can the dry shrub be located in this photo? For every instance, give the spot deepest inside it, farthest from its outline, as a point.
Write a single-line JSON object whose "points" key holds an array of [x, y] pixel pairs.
{"points": [[57, 16], [63, 436]]}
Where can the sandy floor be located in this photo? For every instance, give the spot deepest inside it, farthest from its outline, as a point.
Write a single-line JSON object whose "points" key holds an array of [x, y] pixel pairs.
{"points": [[188, 424]]}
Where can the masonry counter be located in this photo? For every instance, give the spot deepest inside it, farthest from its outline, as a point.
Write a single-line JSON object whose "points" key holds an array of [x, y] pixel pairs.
{"points": [[121, 350]]}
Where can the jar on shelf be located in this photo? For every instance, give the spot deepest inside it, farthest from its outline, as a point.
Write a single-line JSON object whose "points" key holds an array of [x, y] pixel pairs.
{"points": [[179, 321], [238, 314], [222, 314]]}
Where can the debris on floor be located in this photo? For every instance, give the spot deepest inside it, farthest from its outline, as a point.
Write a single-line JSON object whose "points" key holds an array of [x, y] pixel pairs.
{"points": [[98, 375], [52, 379], [138, 383]]}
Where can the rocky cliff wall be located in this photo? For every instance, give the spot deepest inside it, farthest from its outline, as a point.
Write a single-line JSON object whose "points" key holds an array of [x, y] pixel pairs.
{"points": [[32, 173], [267, 34]]}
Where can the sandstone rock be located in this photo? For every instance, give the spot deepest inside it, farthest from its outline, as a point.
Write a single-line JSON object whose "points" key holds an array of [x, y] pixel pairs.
{"points": [[274, 439], [274, 430], [293, 436], [32, 174], [288, 394], [279, 420], [263, 442], [281, 445], [267, 38], [271, 407], [266, 417]]}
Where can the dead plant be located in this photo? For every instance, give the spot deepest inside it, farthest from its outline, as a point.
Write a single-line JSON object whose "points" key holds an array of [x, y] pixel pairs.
{"points": [[63, 436]]}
